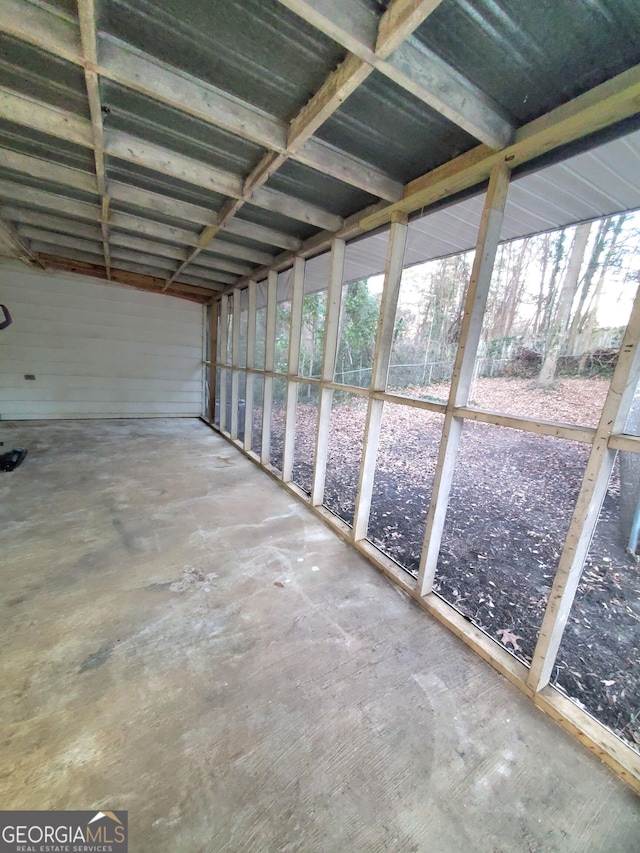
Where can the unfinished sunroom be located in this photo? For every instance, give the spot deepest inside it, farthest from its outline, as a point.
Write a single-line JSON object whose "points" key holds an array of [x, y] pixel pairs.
{"points": [[319, 368]]}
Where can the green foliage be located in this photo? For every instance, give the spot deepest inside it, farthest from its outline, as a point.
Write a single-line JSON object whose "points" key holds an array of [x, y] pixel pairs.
{"points": [[314, 309], [283, 322], [358, 333]]}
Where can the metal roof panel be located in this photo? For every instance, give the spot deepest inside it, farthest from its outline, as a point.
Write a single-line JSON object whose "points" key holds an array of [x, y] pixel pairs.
{"points": [[386, 126], [256, 50], [147, 119], [311, 186], [530, 57], [39, 74]]}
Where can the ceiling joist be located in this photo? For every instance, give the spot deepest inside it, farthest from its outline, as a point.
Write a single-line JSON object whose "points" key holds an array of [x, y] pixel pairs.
{"points": [[122, 276], [37, 115], [87, 19], [410, 66], [9, 236], [598, 108], [382, 42], [134, 70]]}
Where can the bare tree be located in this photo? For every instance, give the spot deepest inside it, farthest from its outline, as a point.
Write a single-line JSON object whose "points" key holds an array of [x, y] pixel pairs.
{"points": [[560, 322], [592, 313], [587, 281]]}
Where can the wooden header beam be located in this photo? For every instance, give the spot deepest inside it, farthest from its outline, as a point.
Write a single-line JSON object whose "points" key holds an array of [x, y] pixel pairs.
{"points": [[131, 279], [135, 70], [601, 107], [420, 71]]}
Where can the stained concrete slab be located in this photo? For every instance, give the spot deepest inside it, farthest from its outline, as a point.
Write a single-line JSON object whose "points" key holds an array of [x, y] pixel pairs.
{"points": [[181, 639]]}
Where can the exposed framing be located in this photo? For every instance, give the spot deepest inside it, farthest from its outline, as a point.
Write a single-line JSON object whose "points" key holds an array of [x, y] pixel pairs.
{"points": [[373, 44], [604, 440]]}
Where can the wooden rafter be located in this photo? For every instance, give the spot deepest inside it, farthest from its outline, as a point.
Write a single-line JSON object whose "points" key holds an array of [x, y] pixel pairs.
{"points": [[87, 19], [128, 67], [22, 250], [340, 84], [136, 225], [142, 73], [34, 114], [414, 68], [122, 276], [598, 108], [601, 107]]}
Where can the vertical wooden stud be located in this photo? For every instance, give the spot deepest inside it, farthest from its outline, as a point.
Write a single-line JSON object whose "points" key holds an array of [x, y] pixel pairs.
{"points": [[332, 321], [224, 310], [475, 304], [213, 349], [235, 362], [592, 493], [251, 363], [269, 356], [382, 356], [292, 369]]}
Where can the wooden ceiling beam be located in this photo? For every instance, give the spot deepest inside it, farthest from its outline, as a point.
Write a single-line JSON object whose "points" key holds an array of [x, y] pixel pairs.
{"points": [[122, 276], [28, 232], [24, 216], [87, 20], [48, 171], [399, 22], [135, 70], [16, 243], [37, 115], [411, 66], [601, 107]]}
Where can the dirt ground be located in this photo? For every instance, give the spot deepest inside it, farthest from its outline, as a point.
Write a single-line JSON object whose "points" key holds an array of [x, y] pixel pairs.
{"points": [[510, 506]]}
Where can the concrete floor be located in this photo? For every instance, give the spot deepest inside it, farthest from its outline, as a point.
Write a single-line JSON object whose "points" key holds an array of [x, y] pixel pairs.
{"points": [[181, 639]]}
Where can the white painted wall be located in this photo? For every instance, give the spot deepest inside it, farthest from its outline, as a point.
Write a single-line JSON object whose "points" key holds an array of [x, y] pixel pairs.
{"points": [[97, 349]]}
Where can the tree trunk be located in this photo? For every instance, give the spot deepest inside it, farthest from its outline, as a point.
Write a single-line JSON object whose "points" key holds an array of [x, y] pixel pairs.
{"points": [[537, 323], [557, 332], [558, 256], [587, 281], [593, 310], [516, 285]]}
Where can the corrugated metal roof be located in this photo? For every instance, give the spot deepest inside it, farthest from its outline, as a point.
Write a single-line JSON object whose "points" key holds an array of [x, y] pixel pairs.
{"points": [[67, 7], [386, 126], [139, 176], [47, 186], [29, 141], [249, 213], [586, 186], [245, 47], [529, 56], [248, 67], [33, 72], [159, 124], [312, 186], [152, 216]]}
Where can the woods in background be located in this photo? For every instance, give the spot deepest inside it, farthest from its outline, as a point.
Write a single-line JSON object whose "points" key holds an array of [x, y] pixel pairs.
{"points": [[558, 305]]}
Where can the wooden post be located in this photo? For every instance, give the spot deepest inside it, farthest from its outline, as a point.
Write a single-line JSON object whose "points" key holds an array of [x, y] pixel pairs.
{"points": [[213, 351], [251, 363], [235, 362], [384, 341], [269, 355], [332, 320], [292, 371], [588, 505], [224, 312], [475, 304]]}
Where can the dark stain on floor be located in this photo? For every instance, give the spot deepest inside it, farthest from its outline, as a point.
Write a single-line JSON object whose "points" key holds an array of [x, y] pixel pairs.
{"points": [[96, 659]]}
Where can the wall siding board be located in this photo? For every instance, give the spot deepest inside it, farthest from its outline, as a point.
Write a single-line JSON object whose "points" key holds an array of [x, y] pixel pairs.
{"points": [[97, 349]]}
